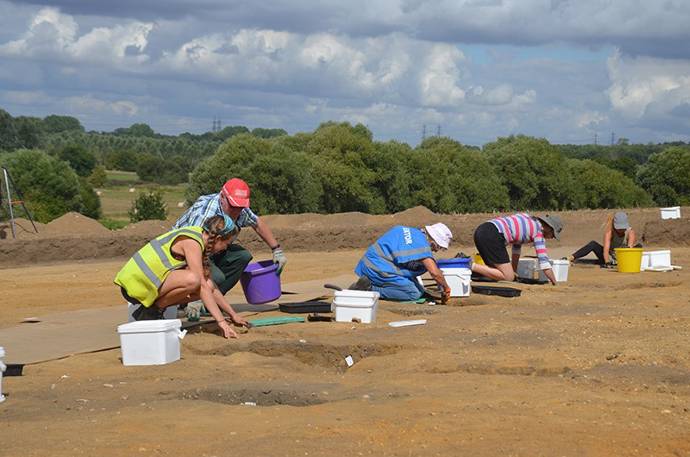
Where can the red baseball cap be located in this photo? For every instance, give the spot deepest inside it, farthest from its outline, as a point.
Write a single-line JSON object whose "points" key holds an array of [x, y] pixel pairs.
{"points": [[237, 192]]}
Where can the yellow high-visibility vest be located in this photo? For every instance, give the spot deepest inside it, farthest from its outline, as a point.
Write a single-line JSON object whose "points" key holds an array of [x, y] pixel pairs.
{"points": [[144, 273]]}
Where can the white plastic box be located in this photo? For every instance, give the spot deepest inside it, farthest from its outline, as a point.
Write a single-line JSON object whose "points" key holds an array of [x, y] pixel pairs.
{"points": [[349, 305], [655, 259], [672, 212], [459, 280], [150, 342], [2, 370], [169, 313], [529, 268]]}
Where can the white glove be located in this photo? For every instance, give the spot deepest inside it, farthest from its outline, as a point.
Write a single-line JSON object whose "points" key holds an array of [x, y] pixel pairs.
{"points": [[279, 258]]}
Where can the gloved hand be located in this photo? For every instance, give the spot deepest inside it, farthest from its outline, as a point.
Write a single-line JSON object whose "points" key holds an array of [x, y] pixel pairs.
{"points": [[194, 310], [279, 258]]}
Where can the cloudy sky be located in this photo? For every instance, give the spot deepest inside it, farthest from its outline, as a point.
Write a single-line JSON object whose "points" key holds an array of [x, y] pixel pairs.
{"points": [[566, 70]]}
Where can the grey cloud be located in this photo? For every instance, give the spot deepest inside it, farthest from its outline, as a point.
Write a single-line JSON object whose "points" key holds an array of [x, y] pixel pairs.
{"points": [[644, 28]]}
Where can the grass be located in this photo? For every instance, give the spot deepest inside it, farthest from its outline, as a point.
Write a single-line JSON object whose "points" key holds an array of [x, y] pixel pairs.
{"points": [[121, 190], [116, 177]]}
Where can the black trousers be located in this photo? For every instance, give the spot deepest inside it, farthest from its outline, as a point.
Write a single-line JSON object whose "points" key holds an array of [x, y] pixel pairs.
{"points": [[592, 246]]}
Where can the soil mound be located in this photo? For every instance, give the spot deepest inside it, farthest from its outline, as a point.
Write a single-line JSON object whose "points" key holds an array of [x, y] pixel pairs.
{"points": [[71, 224], [667, 232], [148, 229]]}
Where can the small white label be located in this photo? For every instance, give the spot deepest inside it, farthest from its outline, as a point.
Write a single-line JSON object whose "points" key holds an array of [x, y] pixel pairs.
{"points": [[349, 361]]}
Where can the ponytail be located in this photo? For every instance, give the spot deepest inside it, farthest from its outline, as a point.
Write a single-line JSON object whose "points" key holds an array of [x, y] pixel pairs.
{"points": [[216, 227]]}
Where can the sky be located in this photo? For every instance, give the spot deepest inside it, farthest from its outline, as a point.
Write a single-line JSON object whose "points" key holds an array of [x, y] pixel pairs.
{"points": [[571, 71]]}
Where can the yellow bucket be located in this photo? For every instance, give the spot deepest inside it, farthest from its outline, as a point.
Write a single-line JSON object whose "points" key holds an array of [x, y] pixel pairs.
{"points": [[629, 259], [478, 259]]}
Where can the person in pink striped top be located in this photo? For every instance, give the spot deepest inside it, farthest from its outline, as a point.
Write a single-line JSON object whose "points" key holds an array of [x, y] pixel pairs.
{"points": [[492, 237]]}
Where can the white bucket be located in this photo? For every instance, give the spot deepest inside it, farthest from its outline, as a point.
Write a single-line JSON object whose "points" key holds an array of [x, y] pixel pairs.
{"points": [[459, 280], [3, 367], [672, 212], [150, 342], [350, 305], [169, 313], [560, 270], [655, 259]]}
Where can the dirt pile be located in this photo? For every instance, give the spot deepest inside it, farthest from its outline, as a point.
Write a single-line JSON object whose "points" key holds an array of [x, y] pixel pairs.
{"points": [[73, 224], [74, 237], [670, 232]]}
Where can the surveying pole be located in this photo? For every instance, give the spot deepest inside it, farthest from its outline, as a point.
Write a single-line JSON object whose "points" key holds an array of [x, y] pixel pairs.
{"points": [[8, 182]]}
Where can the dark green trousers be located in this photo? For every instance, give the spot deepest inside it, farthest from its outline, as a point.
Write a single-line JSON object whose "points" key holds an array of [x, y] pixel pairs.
{"points": [[227, 267]]}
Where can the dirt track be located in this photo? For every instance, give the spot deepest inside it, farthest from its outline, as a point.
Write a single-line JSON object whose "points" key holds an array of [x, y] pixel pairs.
{"points": [[596, 366]]}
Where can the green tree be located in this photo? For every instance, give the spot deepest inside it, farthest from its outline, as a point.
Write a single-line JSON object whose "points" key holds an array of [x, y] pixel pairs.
{"points": [[9, 139], [667, 176], [140, 129], [268, 133], [29, 131], [598, 186], [122, 159], [81, 160], [533, 170], [49, 186], [57, 124], [91, 204], [98, 177], [450, 178], [149, 205]]}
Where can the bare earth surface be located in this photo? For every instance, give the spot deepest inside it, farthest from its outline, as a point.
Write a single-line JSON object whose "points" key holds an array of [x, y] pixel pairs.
{"points": [[595, 366]]}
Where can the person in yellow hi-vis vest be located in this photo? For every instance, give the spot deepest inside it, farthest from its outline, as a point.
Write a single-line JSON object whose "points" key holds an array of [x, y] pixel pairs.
{"points": [[173, 269]]}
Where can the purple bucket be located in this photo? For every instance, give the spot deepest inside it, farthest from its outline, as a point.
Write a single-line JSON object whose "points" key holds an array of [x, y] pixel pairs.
{"points": [[260, 282]]}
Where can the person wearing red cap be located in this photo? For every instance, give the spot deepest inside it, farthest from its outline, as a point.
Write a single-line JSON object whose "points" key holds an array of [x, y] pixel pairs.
{"points": [[233, 200]]}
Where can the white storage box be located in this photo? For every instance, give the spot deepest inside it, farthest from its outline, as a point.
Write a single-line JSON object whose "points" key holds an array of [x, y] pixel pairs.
{"points": [[150, 342], [672, 212], [529, 268], [169, 313], [2, 370], [355, 304], [655, 259], [459, 280]]}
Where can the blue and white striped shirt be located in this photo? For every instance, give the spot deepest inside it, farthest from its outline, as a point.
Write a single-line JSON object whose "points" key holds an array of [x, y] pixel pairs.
{"points": [[208, 206]]}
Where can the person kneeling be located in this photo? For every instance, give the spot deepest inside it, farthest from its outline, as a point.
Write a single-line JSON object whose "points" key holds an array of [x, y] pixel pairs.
{"points": [[392, 264], [174, 269]]}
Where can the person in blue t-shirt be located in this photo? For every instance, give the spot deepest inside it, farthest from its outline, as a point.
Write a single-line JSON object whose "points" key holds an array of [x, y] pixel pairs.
{"points": [[392, 264]]}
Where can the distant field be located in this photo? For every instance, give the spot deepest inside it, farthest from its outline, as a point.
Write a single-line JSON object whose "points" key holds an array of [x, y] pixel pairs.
{"points": [[116, 197]]}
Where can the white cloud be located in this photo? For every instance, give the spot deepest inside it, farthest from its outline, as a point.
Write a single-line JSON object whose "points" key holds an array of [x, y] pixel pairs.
{"points": [[591, 119], [53, 35], [90, 104], [638, 84], [440, 77]]}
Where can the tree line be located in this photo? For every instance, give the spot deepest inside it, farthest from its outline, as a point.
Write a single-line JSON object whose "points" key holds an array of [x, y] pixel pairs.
{"points": [[340, 167]]}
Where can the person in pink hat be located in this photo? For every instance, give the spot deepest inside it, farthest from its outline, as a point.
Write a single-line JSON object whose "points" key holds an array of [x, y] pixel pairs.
{"points": [[232, 200]]}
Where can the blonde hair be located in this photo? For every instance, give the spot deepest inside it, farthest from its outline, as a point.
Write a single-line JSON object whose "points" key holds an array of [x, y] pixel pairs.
{"points": [[215, 227]]}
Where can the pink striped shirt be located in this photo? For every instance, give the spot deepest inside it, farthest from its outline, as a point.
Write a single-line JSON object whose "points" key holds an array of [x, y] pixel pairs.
{"points": [[523, 228]]}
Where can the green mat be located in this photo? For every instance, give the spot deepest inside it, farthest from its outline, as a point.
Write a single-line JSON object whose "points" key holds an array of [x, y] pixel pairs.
{"points": [[275, 321]]}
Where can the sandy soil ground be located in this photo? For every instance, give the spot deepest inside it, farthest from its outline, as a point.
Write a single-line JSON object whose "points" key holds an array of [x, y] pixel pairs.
{"points": [[596, 366]]}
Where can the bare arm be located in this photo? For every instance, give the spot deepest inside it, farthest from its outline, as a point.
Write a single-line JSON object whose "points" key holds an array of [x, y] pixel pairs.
{"points": [[515, 260], [435, 272], [632, 238], [549, 274], [607, 245], [192, 253], [265, 233]]}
